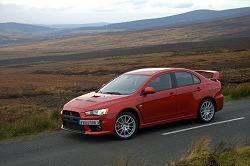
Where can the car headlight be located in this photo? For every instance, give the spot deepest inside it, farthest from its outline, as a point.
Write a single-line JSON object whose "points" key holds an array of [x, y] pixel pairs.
{"points": [[99, 112]]}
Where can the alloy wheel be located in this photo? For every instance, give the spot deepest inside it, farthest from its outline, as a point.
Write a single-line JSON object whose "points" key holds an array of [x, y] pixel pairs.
{"points": [[125, 126], [206, 110]]}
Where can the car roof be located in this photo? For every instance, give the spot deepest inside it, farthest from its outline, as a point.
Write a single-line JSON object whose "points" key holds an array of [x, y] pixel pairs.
{"points": [[151, 71]]}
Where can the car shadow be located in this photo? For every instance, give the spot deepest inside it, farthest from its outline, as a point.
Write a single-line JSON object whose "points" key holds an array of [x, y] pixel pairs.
{"points": [[89, 138], [154, 130]]}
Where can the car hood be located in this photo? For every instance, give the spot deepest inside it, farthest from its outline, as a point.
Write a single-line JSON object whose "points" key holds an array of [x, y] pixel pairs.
{"points": [[93, 101]]}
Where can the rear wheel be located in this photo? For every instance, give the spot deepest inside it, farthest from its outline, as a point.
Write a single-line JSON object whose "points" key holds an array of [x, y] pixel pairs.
{"points": [[126, 126], [206, 110]]}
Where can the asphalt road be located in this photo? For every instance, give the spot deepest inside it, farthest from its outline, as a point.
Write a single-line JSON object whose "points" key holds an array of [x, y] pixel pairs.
{"points": [[151, 146]]}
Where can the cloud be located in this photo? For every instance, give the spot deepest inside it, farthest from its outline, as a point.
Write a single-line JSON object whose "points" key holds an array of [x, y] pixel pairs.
{"points": [[85, 11], [139, 4], [21, 14], [118, 6], [183, 5]]}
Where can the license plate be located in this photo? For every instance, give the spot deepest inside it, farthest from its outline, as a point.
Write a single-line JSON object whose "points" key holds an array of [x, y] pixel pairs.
{"points": [[89, 122]]}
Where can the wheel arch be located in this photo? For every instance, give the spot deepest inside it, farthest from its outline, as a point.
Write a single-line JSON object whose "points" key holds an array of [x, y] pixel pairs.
{"points": [[132, 129], [132, 111]]}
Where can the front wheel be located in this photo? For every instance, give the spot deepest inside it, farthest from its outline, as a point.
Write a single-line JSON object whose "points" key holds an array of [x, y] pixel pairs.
{"points": [[206, 110], [126, 126]]}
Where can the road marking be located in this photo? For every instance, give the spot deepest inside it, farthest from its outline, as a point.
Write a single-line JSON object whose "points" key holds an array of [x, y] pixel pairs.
{"points": [[210, 124]]}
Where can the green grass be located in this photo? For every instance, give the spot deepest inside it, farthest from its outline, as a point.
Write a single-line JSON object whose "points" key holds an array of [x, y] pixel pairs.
{"points": [[200, 154], [30, 125], [223, 154], [236, 92]]}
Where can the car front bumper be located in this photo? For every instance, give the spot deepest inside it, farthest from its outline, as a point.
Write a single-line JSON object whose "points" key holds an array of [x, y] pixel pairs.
{"points": [[70, 122]]}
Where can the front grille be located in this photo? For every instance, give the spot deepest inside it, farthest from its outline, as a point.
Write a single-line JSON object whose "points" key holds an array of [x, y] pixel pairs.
{"points": [[70, 121], [71, 113]]}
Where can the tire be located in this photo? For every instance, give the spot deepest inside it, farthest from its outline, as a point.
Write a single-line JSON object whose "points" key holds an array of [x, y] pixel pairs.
{"points": [[206, 110], [126, 126]]}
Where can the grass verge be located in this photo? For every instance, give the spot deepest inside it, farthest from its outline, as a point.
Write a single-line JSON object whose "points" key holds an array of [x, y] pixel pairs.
{"points": [[234, 92], [200, 154], [30, 125], [224, 154]]}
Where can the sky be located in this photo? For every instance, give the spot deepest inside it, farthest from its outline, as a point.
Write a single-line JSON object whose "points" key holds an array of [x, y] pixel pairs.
{"points": [[110, 11]]}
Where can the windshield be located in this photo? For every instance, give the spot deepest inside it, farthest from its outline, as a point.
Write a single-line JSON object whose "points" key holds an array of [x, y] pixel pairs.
{"points": [[124, 85]]}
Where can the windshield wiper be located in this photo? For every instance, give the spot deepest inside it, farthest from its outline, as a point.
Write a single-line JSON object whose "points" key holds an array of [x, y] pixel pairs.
{"points": [[113, 93]]}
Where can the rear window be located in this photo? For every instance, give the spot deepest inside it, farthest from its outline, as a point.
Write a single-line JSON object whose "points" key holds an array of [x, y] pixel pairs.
{"points": [[185, 79]]}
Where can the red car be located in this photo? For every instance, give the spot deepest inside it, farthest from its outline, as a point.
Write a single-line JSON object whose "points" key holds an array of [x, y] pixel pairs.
{"points": [[142, 98]]}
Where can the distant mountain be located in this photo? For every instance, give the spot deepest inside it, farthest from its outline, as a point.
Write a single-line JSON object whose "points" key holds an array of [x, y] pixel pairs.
{"points": [[11, 33], [74, 29], [68, 26], [180, 19], [18, 28], [192, 17]]}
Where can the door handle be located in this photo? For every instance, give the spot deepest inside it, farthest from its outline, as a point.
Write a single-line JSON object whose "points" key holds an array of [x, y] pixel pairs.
{"points": [[171, 94], [198, 89]]}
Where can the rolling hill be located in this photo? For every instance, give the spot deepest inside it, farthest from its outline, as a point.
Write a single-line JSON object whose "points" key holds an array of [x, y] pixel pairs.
{"points": [[180, 19], [192, 17], [207, 31], [46, 31], [11, 32], [12, 27]]}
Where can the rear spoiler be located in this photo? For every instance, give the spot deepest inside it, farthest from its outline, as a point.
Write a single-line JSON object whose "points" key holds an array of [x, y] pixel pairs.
{"points": [[216, 74]]}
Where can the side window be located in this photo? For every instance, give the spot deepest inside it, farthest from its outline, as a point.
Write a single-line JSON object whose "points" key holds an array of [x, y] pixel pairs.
{"points": [[184, 79], [196, 79], [161, 83]]}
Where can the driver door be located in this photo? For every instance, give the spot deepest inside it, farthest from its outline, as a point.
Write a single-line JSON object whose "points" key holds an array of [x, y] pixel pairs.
{"points": [[160, 105]]}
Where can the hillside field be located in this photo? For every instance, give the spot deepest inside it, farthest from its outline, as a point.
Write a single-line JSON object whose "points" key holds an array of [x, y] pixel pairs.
{"points": [[37, 88]]}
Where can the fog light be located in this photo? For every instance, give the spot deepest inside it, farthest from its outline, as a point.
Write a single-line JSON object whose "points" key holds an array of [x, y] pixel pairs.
{"points": [[98, 128]]}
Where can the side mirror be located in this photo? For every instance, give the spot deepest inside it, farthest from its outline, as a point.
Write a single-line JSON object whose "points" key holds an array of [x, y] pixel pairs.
{"points": [[149, 90]]}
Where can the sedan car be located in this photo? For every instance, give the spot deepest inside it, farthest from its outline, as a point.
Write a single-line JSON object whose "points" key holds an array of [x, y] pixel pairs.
{"points": [[143, 98]]}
